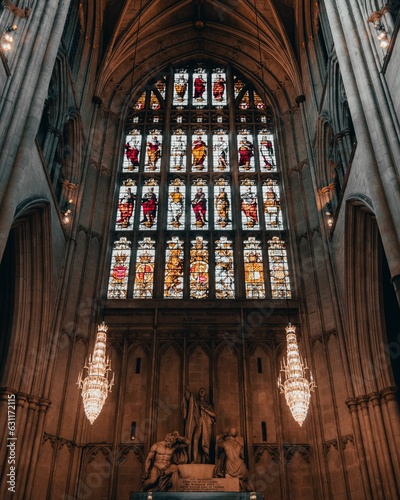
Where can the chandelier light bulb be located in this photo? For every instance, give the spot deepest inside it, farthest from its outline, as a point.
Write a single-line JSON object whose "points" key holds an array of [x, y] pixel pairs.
{"points": [[97, 383], [296, 388]]}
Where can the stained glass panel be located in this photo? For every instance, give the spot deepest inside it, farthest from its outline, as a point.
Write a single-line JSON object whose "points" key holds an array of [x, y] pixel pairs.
{"points": [[176, 204], [118, 281], [174, 265], [253, 269], [199, 198], [153, 151], [149, 204], [267, 153], [126, 204], [199, 278], [200, 87], [248, 204], [220, 152], [222, 203], [224, 269], [161, 87], [272, 204], [180, 88], [245, 102], [133, 144], [178, 151], [140, 103], [278, 269], [258, 103], [144, 271], [199, 150], [154, 102], [218, 82], [245, 152], [237, 85]]}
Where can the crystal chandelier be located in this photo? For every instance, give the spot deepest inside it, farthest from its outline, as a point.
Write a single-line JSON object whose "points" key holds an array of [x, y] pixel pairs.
{"points": [[296, 387], [96, 384]]}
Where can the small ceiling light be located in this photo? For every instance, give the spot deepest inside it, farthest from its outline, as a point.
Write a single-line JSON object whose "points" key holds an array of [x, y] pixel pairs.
{"points": [[383, 36], [7, 39]]}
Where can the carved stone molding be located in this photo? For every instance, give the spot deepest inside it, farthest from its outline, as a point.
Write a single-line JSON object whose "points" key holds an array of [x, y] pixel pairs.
{"points": [[304, 450], [374, 398], [16, 11], [69, 185], [323, 337], [328, 445], [58, 442], [309, 235], [298, 168], [271, 449], [342, 442], [326, 190]]}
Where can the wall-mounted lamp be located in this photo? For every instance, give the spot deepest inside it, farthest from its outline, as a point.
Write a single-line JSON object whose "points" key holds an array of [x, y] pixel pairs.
{"points": [[7, 39], [383, 36], [66, 211], [329, 214]]}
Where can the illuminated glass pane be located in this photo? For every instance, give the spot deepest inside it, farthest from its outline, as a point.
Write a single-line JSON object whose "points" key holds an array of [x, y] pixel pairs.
{"points": [[178, 151], [126, 204], [153, 151], [253, 269], [278, 269], [237, 85], [199, 197], [199, 280], [272, 205], [224, 270], [220, 152], [176, 204], [267, 153], [149, 204], [200, 87], [161, 87], [180, 88], [199, 150], [245, 152], [258, 103], [133, 144], [218, 82], [222, 203], [154, 102], [248, 204], [245, 102], [174, 264], [144, 272], [140, 103], [118, 282]]}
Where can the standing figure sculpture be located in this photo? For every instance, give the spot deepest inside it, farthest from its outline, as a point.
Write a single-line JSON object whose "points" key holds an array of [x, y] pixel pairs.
{"points": [[161, 466], [199, 418], [230, 459]]}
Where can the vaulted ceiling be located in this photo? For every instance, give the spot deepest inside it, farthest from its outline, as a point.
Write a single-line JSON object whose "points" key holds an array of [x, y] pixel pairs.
{"points": [[145, 36]]}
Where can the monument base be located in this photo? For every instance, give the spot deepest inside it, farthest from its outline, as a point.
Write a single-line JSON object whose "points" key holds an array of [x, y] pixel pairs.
{"points": [[194, 495]]}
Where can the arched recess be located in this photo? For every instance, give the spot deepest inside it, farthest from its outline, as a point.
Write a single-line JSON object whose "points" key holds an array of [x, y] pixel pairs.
{"points": [[25, 299], [374, 406]]}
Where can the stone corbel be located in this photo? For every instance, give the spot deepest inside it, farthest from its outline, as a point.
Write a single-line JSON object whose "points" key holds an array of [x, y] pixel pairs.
{"points": [[16, 11]]}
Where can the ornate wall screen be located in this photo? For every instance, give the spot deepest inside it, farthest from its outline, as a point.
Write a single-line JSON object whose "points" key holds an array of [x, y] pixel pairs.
{"points": [[199, 197]]}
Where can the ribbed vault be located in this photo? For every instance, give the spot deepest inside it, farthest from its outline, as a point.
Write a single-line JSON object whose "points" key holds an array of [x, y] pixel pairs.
{"points": [[141, 42]]}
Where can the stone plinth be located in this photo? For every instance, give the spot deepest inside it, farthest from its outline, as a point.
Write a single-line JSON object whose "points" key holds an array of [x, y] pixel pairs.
{"points": [[158, 495], [198, 477]]}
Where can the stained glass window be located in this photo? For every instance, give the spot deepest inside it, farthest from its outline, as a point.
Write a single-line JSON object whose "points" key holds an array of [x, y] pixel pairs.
{"points": [[133, 144], [272, 204], [126, 204], [149, 204], [222, 204], [249, 204], [144, 270], [176, 204], [178, 151], [279, 271], [245, 151], [220, 151], [224, 270], [267, 153], [153, 151], [253, 269], [118, 282], [174, 265], [199, 198], [199, 279], [199, 151], [181, 78]]}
